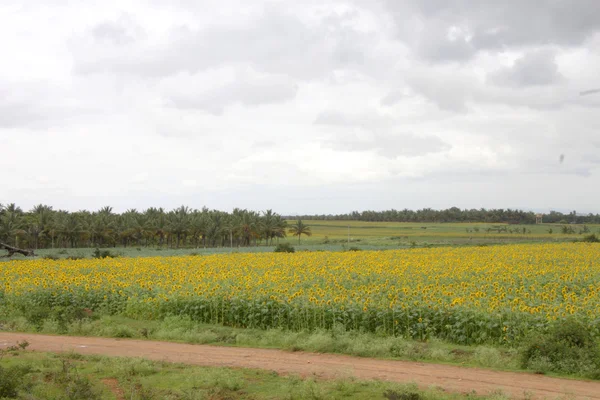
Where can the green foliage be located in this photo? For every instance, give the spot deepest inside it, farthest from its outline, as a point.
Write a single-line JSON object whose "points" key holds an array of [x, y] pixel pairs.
{"points": [[284, 248], [299, 229], [103, 254], [353, 248], [79, 388], [567, 348], [39, 314], [52, 257], [11, 380], [567, 230], [405, 395], [72, 384], [592, 238], [59, 377]]}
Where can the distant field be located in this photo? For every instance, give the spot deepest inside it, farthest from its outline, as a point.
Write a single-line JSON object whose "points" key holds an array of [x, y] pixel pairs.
{"points": [[399, 234], [341, 235]]}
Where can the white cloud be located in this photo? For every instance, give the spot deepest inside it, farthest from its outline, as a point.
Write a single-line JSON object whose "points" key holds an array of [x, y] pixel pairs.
{"points": [[318, 106]]}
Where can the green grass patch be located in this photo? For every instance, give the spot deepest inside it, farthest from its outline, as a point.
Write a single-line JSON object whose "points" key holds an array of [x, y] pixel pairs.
{"points": [[183, 329], [47, 376]]}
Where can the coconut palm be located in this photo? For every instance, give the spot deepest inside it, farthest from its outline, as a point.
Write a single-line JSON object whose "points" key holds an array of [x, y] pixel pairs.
{"points": [[299, 229], [179, 223]]}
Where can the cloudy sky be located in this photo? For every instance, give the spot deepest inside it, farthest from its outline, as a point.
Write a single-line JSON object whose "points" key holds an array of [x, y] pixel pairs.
{"points": [[310, 106]]}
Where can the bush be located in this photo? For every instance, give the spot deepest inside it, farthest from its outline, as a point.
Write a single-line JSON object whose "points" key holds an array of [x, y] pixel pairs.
{"points": [[284, 248], [592, 238], [567, 348], [404, 395], [80, 387], [11, 380], [103, 254], [354, 249], [52, 257], [76, 258]]}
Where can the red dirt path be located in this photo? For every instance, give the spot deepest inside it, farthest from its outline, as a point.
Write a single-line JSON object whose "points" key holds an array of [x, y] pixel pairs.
{"points": [[326, 366]]}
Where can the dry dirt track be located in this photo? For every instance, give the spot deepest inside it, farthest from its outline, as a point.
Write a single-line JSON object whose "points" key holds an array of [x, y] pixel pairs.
{"points": [[450, 378]]}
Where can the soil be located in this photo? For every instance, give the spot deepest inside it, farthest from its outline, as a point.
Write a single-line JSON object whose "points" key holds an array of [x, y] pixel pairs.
{"points": [[114, 387], [324, 366]]}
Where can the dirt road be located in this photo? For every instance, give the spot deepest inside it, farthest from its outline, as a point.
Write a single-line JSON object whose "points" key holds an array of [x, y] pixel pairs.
{"points": [[327, 366]]}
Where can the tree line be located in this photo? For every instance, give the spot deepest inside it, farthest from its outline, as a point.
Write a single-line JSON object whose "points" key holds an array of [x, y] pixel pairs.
{"points": [[44, 227], [455, 214]]}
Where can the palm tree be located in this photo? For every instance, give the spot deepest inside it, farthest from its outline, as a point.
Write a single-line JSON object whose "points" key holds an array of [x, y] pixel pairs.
{"points": [[198, 227], [158, 223], [37, 222], [280, 227], [71, 228], [11, 223], [299, 229], [272, 226], [216, 226], [179, 223]]}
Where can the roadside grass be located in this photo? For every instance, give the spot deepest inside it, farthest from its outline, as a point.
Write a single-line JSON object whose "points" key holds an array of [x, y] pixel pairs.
{"points": [[183, 329], [566, 351], [72, 375]]}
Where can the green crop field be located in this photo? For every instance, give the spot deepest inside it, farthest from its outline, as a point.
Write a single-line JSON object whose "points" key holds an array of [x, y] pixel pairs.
{"points": [[402, 234]]}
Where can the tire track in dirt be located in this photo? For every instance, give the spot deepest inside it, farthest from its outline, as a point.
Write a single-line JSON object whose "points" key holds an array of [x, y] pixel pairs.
{"points": [[325, 366]]}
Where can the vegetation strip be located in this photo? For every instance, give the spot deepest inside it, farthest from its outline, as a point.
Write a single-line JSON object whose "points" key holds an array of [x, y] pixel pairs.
{"points": [[325, 366]]}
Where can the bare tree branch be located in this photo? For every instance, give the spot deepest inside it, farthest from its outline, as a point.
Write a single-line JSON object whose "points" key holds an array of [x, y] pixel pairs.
{"points": [[12, 250]]}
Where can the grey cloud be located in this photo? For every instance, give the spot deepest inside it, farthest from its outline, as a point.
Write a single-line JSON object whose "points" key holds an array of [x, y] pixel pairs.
{"points": [[536, 68], [457, 90], [492, 25], [389, 145], [276, 42], [588, 92], [377, 135], [591, 158], [120, 32], [449, 90], [393, 97], [248, 93], [31, 104], [19, 113], [436, 46], [365, 121], [158, 78]]}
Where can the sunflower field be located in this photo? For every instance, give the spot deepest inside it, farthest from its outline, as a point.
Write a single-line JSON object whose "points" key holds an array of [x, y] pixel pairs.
{"points": [[465, 295]]}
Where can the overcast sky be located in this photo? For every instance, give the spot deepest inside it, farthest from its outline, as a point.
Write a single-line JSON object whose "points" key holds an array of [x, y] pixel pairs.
{"points": [[309, 106]]}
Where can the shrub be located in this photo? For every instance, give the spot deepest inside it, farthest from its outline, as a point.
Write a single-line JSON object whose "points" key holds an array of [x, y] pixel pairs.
{"points": [[592, 238], [11, 380], [284, 248], [103, 254], [52, 257], [80, 387], [354, 249], [404, 395], [567, 348], [76, 258]]}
